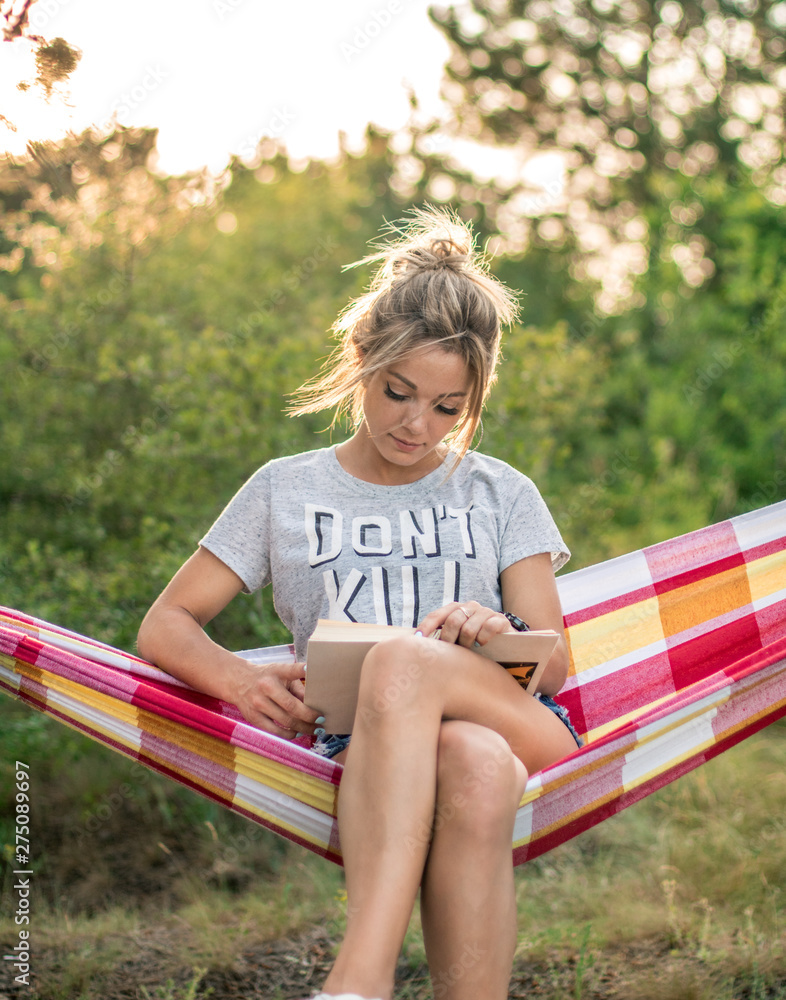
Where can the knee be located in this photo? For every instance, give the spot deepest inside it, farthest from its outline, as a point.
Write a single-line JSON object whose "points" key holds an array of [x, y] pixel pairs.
{"points": [[479, 779], [393, 674]]}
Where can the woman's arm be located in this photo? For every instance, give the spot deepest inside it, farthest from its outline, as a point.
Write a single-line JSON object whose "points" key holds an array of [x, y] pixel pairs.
{"points": [[529, 591], [172, 636]]}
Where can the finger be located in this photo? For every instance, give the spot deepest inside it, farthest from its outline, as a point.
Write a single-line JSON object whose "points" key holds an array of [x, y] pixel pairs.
{"points": [[270, 727], [294, 713], [273, 700], [483, 625], [464, 621], [276, 720], [289, 671], [495, 624], [294, 682], [261, 716], [444, 618], [469, 623], [434, 620], [298, 689]]}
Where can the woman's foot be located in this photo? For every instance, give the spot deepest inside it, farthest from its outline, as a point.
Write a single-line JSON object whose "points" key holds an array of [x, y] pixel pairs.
{"points": [[339, 996]]}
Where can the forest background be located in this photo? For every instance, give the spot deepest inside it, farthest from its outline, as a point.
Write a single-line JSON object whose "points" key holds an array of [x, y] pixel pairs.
{"points": [[153, 327]]}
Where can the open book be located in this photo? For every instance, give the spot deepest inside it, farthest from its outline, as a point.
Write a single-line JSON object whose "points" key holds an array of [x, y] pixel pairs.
{"points": [[336, 652]]}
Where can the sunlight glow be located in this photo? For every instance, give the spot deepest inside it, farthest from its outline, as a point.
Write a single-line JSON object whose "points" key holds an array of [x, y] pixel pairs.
{"points": [[217, 77]]}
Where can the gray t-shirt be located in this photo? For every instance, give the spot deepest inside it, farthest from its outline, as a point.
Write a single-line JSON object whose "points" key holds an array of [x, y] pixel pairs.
{"points": [[334, 546]]}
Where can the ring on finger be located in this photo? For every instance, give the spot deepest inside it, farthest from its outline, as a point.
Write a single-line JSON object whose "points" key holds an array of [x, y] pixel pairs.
{"points": [[467, 613]]}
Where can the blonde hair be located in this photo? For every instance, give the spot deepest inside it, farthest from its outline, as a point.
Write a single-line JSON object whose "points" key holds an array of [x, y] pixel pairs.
{"points": [[431, 287]]}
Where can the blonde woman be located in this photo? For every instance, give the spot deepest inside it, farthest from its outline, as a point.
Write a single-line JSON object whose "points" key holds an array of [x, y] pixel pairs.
{"points": [[402, 524]]}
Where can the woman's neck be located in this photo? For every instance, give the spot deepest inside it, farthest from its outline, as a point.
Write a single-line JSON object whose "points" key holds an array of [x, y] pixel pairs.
{"points": [[359, 457]]}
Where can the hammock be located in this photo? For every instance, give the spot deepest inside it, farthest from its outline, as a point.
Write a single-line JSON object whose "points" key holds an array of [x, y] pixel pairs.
{"points": [[678, 652]]}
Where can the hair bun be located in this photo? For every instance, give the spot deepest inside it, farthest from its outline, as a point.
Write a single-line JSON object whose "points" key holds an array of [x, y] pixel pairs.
{"points": [[436, 254]]}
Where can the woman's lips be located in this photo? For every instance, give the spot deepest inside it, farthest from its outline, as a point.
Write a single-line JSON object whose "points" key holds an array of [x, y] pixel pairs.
{"points": [[404, 445]]}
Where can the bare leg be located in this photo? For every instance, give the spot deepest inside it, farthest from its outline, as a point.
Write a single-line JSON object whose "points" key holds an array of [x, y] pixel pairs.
{"points": [[388, 793], [468, 904]]}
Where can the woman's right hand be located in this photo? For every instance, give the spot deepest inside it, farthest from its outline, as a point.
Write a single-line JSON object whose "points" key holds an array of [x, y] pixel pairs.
{"points": [[270, 696]]}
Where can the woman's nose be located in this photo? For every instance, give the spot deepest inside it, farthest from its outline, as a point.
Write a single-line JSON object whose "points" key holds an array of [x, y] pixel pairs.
{"points": [[415, 417]]}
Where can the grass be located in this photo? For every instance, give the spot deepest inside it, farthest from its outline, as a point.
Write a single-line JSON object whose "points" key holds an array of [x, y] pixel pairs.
{"points": [[209, 929], [169, 991], [221, 926], [680, 897], [698, 870]]}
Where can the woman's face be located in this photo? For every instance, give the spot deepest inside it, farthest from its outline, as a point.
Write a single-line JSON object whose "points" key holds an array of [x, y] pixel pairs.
{"points": [[411, 405]]}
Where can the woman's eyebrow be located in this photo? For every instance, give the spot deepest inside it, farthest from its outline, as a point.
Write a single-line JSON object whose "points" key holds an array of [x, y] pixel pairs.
{"points": [[412, 385]]}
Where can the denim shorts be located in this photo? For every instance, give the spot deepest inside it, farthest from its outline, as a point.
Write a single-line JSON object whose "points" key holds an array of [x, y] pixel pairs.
{"points": [[562, 714], [329, 745]]}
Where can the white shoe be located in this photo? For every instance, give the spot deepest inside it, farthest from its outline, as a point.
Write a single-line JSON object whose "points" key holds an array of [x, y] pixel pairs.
{"points": [[340, 996]]}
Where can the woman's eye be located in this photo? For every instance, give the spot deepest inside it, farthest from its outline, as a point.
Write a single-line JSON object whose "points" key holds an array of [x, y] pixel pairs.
{"points": [[393, 395], [448, 411]]}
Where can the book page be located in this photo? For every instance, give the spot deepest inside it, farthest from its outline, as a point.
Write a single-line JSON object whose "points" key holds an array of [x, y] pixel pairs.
{"points": [[336, 652]]}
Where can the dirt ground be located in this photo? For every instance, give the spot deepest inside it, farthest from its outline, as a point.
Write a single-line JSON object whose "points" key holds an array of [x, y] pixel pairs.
{"points": [[294, 968], [122, 864]]}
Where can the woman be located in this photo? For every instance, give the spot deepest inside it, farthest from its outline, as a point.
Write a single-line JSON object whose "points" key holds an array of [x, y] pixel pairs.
{"points": [[401, 524]]}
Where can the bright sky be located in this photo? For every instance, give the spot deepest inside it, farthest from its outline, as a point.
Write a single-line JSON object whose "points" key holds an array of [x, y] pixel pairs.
{"points": [[217, 75]]}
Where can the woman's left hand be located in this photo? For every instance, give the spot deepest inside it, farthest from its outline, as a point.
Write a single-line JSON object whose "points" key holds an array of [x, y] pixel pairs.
{"points": [[466, 623]]}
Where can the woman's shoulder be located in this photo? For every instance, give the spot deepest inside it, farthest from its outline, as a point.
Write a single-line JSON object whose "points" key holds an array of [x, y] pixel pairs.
{"points": [[478, 464], [286, 471], [301, 459], [301, 463]]}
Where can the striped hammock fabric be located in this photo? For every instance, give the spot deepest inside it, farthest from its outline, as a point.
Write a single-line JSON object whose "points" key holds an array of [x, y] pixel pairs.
{"points": [[678, 652]]}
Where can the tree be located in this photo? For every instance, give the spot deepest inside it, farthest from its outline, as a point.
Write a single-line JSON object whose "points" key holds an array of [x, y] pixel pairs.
{"points": [[628, 92], [55, 60], [152, 342], [150, 338]]}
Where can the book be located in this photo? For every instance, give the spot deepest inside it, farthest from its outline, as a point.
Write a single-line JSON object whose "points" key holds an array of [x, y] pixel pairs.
{"points": [[336, 651]]}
